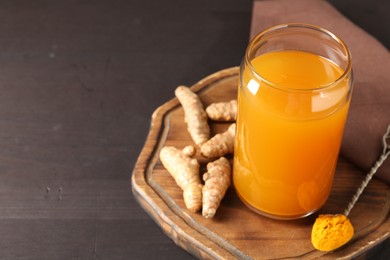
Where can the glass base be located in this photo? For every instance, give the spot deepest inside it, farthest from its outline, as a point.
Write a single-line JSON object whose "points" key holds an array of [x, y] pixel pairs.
{"points": [[274, 216]]}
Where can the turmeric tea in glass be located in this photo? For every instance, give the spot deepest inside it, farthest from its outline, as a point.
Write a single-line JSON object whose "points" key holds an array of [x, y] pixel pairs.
{"points": [[295, 90]]}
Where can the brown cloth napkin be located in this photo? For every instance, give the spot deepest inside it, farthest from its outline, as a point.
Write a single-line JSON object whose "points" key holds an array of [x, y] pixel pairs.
{"points": [[369, 113]]}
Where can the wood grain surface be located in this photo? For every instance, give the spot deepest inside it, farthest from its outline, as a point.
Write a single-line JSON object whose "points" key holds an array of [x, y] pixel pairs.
{"points": [[235, 231], [79, 81]]}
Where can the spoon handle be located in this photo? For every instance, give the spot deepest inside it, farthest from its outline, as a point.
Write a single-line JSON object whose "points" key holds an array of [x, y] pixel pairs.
{"points": [[374, 169]]}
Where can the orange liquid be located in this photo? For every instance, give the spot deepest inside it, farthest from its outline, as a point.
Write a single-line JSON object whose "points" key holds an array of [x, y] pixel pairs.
{"points": [[287, 141]]}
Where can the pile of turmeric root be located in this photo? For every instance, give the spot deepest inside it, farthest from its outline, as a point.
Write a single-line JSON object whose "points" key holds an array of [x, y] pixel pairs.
{"points": [[185, 168]]}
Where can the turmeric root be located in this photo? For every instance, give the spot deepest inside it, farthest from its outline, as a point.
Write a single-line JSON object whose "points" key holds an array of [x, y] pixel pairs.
{"points": [[220, 144], [185, 170], [217, 181], [194, 115], [222, 111], [331, 232]]}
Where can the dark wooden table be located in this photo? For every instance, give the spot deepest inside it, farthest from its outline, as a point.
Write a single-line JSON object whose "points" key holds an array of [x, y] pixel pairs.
{"points": [[79, 81]]}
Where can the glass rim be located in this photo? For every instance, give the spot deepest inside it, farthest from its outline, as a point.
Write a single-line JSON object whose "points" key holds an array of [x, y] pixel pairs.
{"points": [[346, 72]]}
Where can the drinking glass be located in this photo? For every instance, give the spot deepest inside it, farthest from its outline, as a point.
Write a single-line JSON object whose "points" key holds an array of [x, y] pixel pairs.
{"points": [[293, 99]]}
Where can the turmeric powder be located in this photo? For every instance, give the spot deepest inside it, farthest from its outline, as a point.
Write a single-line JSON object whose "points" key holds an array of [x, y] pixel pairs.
{"points": [[331, 232], [222, 111], [185, 170], [194, 115], [220, 144], [217, 181]]}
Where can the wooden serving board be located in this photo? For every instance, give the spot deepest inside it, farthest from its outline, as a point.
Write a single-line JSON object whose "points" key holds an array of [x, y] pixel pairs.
{"points": [[236, 232]]}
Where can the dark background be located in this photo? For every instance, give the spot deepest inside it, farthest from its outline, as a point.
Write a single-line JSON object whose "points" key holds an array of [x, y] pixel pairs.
{"points": [[79, 81]]}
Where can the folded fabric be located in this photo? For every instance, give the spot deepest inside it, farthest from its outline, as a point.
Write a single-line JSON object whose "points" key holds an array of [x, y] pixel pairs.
{"points": [[369, 113]]}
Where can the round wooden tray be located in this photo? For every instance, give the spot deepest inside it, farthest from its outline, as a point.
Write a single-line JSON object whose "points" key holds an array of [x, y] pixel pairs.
{"points": [[236, 232]]}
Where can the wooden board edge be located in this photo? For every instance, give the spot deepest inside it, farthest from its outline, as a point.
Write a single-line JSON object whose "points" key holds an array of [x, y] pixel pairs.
{"points": [[176, 229], [202, 84]]}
